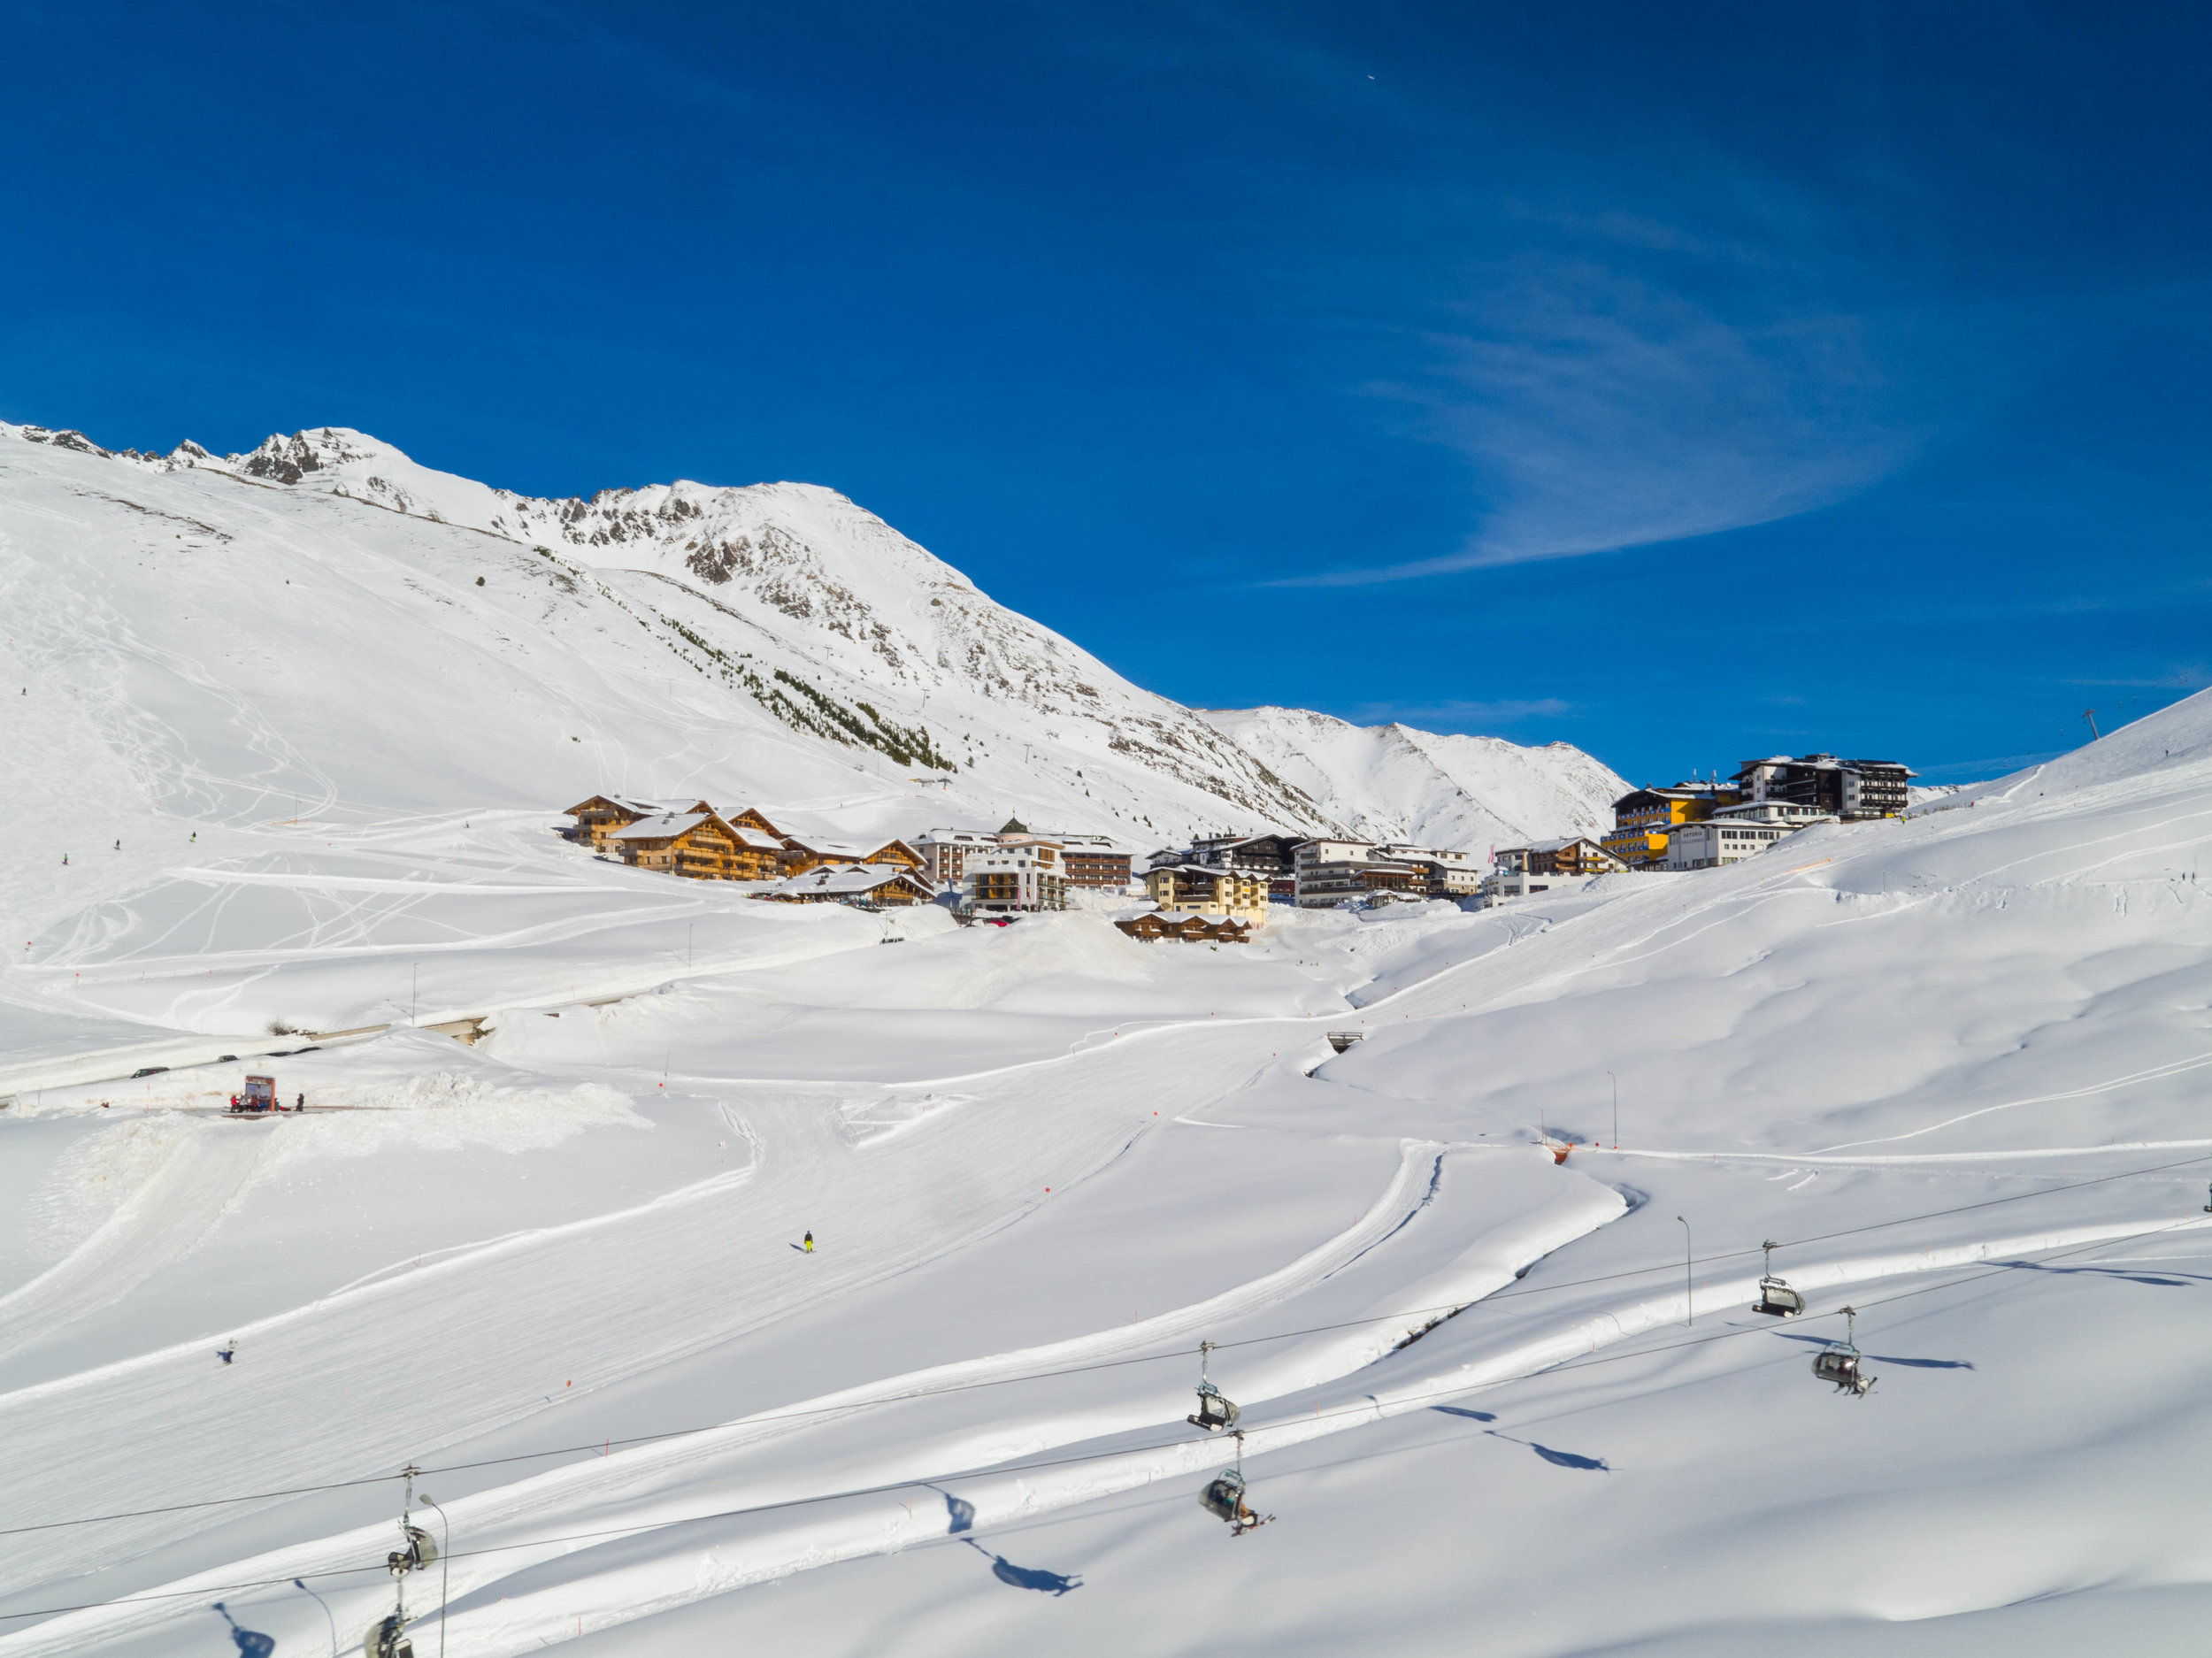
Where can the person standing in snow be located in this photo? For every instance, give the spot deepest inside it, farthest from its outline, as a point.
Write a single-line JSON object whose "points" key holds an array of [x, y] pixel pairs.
{"points": [[808, 1245], [229, 1350], [301, 1103]]}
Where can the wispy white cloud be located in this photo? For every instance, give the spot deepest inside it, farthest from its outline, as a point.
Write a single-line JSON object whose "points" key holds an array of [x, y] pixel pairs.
{"points": [[1454, 713], [1603, 409], [2186, 679]]}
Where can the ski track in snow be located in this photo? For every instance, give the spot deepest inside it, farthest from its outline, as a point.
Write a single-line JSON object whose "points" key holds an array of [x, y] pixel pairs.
{"points": [[155, 1226]]}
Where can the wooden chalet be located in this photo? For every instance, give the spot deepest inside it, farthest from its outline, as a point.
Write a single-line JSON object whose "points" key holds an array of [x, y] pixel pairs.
{"points": [[758, 856], [1187, 928], [869, 885], [698, 844], [602, 814], [802, 853], [751, 817], [899, 853]]}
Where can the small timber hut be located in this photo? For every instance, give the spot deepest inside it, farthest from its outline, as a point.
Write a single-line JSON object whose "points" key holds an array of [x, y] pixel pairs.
{"points": [[1181, 925], [802, 853], [868, 885]]}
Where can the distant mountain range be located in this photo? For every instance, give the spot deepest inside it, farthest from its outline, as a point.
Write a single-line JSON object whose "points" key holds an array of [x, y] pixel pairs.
{"points": [[323, 621]]}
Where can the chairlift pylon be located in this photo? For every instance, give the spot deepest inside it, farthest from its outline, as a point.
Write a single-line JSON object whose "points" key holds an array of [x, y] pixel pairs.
{"points": [[1842, 1363], [1216, 1409], [388, 1636], [1224, 1497], [1775, 1294]]}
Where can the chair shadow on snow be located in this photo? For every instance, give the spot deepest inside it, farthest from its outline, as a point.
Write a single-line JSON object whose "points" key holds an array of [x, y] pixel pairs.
{"points": [[2164, 1281], [250, 1643], [1025, 1576], [959, 1513], [960, 1517], [1886, 1358], [1559, 1459]]}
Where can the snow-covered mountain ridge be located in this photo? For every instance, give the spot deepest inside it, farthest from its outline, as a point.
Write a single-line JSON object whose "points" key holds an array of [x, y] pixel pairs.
{"points": [[1396, 783], [790, 602]]}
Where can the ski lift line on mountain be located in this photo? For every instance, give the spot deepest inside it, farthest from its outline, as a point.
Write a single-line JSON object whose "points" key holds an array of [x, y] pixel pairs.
{"points": [[1153, 1358], [1366, 1408], [2006, 1271], [387, 1637], [1447, 1309]]}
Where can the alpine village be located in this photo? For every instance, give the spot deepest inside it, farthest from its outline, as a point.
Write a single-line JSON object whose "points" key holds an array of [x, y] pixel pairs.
{"points": [[1216, 890]]}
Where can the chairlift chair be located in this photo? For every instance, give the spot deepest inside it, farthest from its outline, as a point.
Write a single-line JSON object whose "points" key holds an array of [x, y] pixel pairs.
{"points": [[387, 1638], [420, 1551], [1842, 1363], [1216, 1409], [1223, 1498], [1775, 1294]]}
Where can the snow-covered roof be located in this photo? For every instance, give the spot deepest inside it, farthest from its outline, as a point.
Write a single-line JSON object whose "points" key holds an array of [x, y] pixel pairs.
{"points": [[845, 879], [844, 849], [754, 840], [662, 826], [632, 802]]}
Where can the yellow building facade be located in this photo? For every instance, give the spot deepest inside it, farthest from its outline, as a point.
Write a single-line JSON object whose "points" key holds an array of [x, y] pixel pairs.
{"points": [[1642, 819]]}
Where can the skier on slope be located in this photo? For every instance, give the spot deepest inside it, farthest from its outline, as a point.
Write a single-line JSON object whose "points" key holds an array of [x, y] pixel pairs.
{"points": [[808, 1245], [228, 1351]]}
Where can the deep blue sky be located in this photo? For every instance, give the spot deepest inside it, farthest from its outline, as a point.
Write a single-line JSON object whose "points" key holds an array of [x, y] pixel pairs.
{"points": [[1684, 382]]}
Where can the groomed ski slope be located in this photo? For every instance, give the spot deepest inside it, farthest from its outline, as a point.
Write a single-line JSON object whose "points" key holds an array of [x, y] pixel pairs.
{"points": [[1955, 1066]]}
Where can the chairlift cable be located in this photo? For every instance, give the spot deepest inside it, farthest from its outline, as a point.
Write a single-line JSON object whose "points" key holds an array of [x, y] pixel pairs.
{"points": [[1928, 1289], [1105, 1364], [1366, 1408]]}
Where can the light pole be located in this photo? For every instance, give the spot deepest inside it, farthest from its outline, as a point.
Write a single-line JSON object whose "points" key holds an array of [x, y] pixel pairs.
{"points": [[687, 926], [1617, 1111], [1689, 1285], [445, 1561], [414, 1004], [301, 1584]]}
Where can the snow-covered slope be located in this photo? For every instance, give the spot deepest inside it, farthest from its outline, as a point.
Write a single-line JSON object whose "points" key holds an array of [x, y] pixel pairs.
{"points": [[762, 643], [755, 644], [1394, 783], [1953, 1064], [264, 701]]}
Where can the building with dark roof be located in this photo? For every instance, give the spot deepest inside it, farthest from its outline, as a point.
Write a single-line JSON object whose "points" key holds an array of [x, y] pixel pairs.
{"points": [[1850, 789]]}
